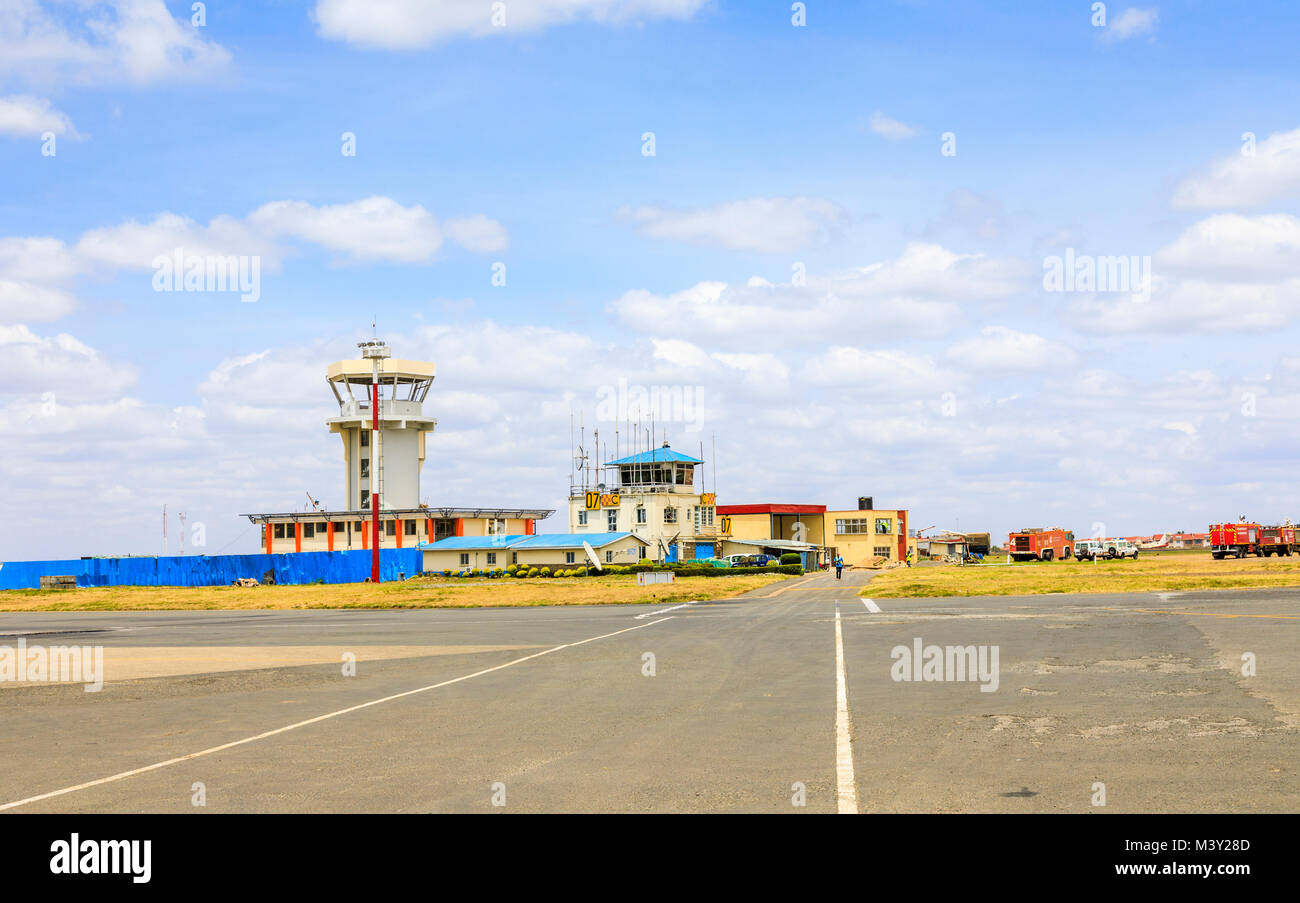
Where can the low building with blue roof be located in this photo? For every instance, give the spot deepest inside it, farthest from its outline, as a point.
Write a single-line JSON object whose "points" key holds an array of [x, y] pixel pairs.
{"points": [[553, 550]]}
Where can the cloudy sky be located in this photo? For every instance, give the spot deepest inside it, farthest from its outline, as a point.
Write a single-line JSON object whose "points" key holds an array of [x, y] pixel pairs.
{"points": [[832, 227]]}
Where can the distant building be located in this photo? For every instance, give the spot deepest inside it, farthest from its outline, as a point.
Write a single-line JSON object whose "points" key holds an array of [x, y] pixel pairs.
{"points": [[862, 536], [553, 550], [387, 461], [656, 495]]}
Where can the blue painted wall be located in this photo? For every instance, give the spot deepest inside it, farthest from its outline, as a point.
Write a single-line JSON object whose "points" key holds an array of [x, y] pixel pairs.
{"points": [[214, 570]]}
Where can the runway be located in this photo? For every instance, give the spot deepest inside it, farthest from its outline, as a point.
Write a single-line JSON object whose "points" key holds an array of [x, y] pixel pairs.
{"points": [[788, 700]]}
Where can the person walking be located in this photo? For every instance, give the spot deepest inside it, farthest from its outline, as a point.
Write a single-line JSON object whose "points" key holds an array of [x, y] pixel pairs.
{"points": [[839, 567]]}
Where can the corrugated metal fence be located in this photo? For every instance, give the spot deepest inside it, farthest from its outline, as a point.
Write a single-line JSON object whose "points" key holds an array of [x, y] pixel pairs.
{"points": [[214, 570]]}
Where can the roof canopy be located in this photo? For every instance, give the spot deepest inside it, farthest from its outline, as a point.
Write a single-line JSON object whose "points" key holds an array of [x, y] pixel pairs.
{"points": [[663, 455], [389, 369], [515, 542]]}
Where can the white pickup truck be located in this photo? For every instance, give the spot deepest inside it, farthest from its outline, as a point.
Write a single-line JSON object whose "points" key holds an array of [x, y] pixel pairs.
{"points": [[1090, 549]]}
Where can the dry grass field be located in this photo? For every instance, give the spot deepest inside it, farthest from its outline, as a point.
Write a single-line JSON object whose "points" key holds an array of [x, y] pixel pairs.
{"points": [[433, 592], [1166, 572]]}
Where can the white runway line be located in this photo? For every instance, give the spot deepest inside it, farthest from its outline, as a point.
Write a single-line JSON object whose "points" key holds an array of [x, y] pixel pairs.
{"points": [[871, 606], [846, 790], [662, 610], [281, 730]]}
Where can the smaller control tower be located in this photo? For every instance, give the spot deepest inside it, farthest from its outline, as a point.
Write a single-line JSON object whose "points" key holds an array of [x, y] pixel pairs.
{"points": [[381, 455]]}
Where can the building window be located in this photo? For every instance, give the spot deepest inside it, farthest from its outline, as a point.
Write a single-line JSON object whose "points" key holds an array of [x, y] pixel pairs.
{"points": [[496, 526], [492, 557], [361, 526], [365, 498], [411, 526], [390, 528], [365, 468], [640, 515], [609, 556], [279, 531], [611, 518], [851, 525], [464, 558], [670, 515], [582, 518], [308, 531], [882, 551], [365, 438], [514, 557], [321, 528], [884, 525], [444, 527], [568, 558]]}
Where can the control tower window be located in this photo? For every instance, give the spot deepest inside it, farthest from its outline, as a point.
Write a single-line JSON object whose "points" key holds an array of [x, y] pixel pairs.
{"points": [[365, 438]]}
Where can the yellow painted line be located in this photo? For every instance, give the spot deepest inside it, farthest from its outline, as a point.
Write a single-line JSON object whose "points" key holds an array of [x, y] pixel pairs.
{"points": [[1205, 614]]}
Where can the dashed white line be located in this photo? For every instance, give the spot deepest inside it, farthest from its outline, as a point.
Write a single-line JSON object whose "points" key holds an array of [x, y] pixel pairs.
{"points": [[846, 787], [289, 727], [662, 610], [871, 606]]}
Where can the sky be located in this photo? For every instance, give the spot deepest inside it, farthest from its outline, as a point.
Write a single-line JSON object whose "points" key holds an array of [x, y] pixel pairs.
{"points": [[832, 237]]}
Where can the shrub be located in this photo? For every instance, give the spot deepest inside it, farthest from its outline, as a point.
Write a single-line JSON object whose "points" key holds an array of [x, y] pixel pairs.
{"points": [[544, 572], [532, 572], [446, 572], [791, 558]]}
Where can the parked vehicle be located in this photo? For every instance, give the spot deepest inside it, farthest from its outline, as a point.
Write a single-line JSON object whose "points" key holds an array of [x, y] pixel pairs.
{"points": [[1090, 549], [1038, 544], [1243, 538], [757, 560], [1121, 548]]}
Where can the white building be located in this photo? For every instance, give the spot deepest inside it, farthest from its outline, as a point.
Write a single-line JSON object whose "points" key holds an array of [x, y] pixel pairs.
{"points": [[656, 496]]}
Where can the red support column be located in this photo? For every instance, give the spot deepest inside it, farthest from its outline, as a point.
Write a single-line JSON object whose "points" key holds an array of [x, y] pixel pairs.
{"points": [[460, 527], [269, 533], [902, 536], [530, 527], [428, 529], [329, 534], [397, 531], [297, 536], [374, 480], [365, 539]]}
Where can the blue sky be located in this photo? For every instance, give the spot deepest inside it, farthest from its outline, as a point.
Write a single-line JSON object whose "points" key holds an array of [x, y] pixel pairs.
{"points": [[922, 363]]}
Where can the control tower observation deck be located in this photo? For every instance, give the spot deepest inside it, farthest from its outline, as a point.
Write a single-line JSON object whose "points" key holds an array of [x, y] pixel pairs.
{"points": [[403, 386]]}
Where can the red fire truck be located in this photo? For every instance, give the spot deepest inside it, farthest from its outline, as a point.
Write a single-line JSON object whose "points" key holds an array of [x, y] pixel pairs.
{"points": [[1038, 544], [1242, 539]]}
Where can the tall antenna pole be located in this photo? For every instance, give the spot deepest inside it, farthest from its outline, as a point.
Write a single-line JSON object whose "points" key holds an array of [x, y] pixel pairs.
{"points": [[182, 517]]}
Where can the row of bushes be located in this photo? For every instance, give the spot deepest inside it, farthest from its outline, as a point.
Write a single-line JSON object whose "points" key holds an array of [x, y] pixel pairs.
{"points": [[682, 570]]}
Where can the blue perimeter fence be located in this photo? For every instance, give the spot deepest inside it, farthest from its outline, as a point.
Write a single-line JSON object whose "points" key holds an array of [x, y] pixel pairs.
{"points": [[215, 570]]}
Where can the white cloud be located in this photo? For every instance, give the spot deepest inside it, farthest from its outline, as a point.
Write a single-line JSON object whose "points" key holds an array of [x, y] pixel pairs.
{"points": [[23, 116], [1226, 272], [376, 228], [410, 24], [91, 40], [883, 371], [754, 224], [477, 233], [1269, 175], [1131, 23], [33, 364], [919, 293], [890, 128], [134, 246], [1000, 348]]}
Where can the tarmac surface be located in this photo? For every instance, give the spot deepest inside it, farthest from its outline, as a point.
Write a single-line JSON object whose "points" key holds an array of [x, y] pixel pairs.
{"points": [[783, 697]]}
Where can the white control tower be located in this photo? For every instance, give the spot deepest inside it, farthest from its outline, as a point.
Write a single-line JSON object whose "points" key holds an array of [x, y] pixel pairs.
{"points": [[392, 466]]}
